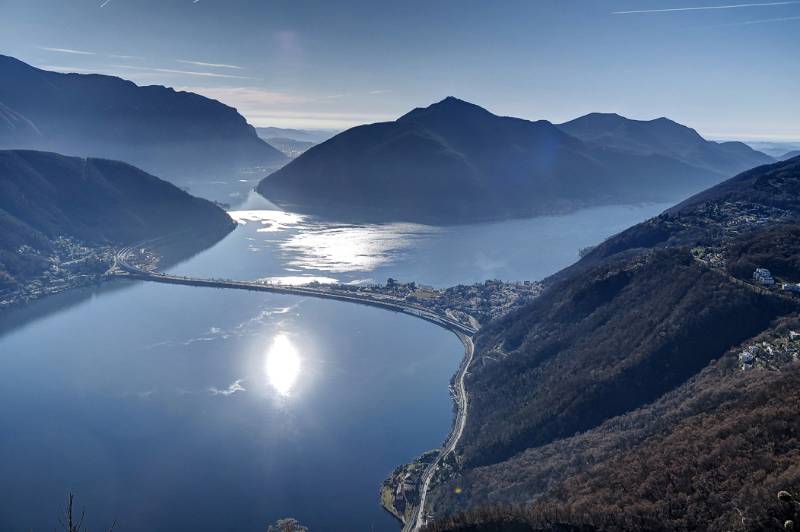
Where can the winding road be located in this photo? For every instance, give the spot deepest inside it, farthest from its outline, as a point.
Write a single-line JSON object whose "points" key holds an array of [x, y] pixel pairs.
{"points": [[123, 268], [419, 517]]}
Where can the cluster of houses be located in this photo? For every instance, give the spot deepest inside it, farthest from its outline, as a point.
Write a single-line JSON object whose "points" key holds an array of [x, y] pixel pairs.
{"points": [[69, 264], [771, 354], [483, 301], [764, 277]]}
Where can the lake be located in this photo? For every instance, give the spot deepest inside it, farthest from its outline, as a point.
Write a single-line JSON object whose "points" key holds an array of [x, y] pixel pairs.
{"points": [[181, 408]]}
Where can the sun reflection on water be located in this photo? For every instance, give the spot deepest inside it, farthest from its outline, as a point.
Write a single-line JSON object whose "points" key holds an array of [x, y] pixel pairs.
{"points": [[282, 365], [310, 243], [345, 248]]}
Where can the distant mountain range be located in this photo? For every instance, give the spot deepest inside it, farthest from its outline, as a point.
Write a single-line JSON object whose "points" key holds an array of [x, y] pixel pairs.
{"points": [[179, 136], [293, 142], [789, 155], [774, 148], [96, 201], [303, 135], [456, 162], [652, 386], [290, 147], [666, 138]]}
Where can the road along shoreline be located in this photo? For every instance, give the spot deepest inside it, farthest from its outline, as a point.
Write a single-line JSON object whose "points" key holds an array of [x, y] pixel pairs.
{"points": [[419, 516]]}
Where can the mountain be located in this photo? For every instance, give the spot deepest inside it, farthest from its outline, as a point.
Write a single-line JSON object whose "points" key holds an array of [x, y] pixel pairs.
{"points": [[44, 196], [789, 155], [180, 136], [652, 386], [314, 136], [773, 148], [667, 138], [456, 162]]}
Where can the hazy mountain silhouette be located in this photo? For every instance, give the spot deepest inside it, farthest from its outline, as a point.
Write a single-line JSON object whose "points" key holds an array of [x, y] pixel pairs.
{"points": [[457, 162], [176, 135], [664, 137], [45, 195], [304, 135], [290, 147], [790, 155]]}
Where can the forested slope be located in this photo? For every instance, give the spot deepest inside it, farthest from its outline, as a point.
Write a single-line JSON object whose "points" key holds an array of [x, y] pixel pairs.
{"points": [[96, 201], [653, 386]]}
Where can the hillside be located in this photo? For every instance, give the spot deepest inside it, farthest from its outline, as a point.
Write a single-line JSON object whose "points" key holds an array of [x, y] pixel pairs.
{"points": [[180, 136], [96, 202], [653, 385], [455, 162]]}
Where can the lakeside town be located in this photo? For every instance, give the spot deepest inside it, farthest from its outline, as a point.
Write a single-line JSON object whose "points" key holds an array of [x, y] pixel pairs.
{"points": [[73, 264], [69, 263], [469, 304]]}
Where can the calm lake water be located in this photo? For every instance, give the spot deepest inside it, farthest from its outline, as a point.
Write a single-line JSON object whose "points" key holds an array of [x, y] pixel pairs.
{"points": [[179, 408]]}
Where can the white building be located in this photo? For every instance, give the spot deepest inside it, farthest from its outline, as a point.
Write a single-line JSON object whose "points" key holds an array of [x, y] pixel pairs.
{"points": [[763, 276]]}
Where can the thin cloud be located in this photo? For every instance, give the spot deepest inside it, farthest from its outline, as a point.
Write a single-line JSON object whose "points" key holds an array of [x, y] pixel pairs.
{"points": [[380, 91], [272, 108], [201, 74], [105, 3], [746, 23], [68, 69], [236, 386], [182, 72], [310, 119], [212, 65], [705, 8], [114, 56], [248, 97], [66, 51]]}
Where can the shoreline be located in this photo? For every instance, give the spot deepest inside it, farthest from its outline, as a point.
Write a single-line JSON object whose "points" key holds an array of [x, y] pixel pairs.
{"points": [[460, 395], [424, 481]]}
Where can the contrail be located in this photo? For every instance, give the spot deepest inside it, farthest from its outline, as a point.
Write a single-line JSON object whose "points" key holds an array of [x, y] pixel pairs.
{"points": [[705, 8], [105, 3], [746, 23]]}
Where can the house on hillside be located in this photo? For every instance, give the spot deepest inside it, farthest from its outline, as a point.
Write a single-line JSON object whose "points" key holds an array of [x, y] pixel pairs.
{"points": [[763, 276]]}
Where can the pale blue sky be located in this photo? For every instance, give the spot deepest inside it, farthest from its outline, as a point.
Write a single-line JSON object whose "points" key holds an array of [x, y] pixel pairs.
{"points": [[729, 69]]}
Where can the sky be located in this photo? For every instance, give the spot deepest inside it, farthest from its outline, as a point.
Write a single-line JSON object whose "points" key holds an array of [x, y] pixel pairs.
{"points": [[728, 68]]}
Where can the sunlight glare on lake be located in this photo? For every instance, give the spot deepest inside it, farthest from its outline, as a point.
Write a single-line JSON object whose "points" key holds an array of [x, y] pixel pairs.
{"points": [[270, 220], [283, 365], [344, 248]]}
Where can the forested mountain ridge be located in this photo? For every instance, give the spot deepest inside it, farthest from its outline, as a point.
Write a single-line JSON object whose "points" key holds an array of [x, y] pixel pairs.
{"points": [[44, 196], [665, 137], [176, 135], [653, 385], [455, 162]]}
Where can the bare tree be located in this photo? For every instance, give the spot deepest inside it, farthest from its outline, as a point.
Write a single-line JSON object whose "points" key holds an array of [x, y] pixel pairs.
{"points": [[68, 521]]}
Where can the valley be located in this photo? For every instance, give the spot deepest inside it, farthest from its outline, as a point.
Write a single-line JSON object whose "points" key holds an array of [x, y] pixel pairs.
{"points": [[399, 266]]}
